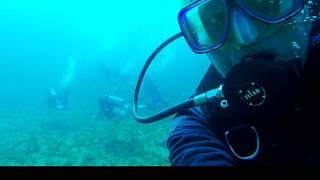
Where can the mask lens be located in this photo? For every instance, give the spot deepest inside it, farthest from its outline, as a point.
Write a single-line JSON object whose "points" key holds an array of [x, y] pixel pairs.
{"points": [[271, 9], [205, 24]]}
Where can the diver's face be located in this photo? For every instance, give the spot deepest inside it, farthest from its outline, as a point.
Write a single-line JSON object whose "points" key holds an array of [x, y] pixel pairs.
{"points": [[249, 37]]}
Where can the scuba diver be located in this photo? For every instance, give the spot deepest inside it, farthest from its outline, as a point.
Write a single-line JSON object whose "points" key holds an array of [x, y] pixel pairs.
{"points": [[58, 99], [115, 76], [111, 107], [257, 105]]}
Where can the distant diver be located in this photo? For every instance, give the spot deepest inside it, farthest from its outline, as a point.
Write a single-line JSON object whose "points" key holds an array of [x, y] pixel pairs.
{"points": [[115, 75], [111, 107], [58, 98], [56, 101]]}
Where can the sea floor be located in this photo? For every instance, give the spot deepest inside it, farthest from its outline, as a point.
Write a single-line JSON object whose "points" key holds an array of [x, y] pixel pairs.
{"points": [[75, 139]]}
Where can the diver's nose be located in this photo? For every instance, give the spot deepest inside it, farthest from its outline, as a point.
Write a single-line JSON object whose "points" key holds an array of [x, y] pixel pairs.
{"points": [[243, 28]]}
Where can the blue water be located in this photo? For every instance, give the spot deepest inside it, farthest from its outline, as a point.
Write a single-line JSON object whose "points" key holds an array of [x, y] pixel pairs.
{"points": [[96, 47]]}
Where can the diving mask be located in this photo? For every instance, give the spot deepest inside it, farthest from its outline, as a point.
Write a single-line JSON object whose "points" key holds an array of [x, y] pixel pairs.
{"points": [[205, 23]]}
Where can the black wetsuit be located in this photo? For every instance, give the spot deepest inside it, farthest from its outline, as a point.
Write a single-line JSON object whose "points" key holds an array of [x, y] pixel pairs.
{"points": [[197, 134]]}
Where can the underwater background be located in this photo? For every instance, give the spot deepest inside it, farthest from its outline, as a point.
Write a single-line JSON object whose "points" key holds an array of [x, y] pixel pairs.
{"points": [[98, 47]]}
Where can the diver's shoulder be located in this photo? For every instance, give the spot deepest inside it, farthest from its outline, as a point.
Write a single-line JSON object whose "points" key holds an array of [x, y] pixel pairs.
{"points": [[190, 118], [194, 113]]}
